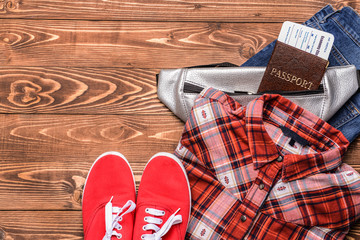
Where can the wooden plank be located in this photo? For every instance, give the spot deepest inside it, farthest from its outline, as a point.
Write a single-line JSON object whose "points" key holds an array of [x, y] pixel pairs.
{"points": [[66, 43], [49, 225], [44, 225], [79, 91], [45, 158], [354, 233], [352, 155], [169, 10]]}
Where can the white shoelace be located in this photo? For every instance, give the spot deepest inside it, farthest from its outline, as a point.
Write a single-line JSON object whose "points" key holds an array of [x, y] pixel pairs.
{"points": [[153, 222], [113, 217]]}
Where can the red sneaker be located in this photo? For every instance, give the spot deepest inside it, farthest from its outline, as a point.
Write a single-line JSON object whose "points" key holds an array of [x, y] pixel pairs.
{"points": [[108, 202], [164, 200]]}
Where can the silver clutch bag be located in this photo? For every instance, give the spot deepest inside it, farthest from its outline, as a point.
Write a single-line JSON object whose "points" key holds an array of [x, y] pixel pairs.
{"points": [[178, 88]]}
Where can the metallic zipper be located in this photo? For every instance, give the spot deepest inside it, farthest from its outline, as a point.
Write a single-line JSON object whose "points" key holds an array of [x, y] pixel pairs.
{"points": [[192, 88]]}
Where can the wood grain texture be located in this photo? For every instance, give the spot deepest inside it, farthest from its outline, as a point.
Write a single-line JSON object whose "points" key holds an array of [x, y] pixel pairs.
{"points": [[169, 10], [129, 44], [79, 91], [24, 225], [78, 79], [44, 159], [354, 233], [41, 225], [49, 225]]}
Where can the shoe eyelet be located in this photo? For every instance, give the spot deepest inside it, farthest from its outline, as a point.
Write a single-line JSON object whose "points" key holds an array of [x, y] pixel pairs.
{"points": [[143, 228], [119, 227], [142, 237], [120, 219], [163, 212], [161, 221], [147, 210], [145, 219], [119, 236]]}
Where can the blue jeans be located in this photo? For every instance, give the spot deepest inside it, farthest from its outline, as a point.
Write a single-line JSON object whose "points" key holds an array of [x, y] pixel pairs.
{"points": [[344, 24]]}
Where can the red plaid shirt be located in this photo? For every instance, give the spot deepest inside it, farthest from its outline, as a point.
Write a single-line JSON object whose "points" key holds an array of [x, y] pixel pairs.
{"points": [[268, 170]]}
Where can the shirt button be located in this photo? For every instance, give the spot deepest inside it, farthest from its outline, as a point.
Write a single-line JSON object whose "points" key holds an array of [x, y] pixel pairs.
{"points": [[279, 159], [261, 186], [243, 218]]}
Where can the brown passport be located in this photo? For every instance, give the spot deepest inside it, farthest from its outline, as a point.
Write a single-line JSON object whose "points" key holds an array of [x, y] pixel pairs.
{"points": [[292, 69]]}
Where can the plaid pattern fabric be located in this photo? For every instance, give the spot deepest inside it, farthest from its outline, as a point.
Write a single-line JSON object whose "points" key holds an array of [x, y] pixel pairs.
{"points": [[250, 179]]}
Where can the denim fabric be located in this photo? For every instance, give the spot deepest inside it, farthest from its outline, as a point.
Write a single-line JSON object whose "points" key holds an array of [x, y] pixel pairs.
{"points": [[344, 24]]}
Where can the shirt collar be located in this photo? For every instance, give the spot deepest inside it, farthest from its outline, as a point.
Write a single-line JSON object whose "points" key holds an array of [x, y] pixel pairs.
{"points": [[262, 147], [329, 143]]}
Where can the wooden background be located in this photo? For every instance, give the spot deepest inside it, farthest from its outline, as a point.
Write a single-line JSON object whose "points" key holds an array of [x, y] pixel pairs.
{"points": [[77, 78]]}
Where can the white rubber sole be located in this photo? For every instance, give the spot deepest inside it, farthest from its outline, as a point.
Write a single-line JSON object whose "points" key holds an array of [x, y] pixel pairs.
{"points": [[178, 161], [103, 155]]}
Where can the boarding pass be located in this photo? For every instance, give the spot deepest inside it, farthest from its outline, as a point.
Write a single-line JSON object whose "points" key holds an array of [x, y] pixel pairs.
{"points": [[308, 39]]}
